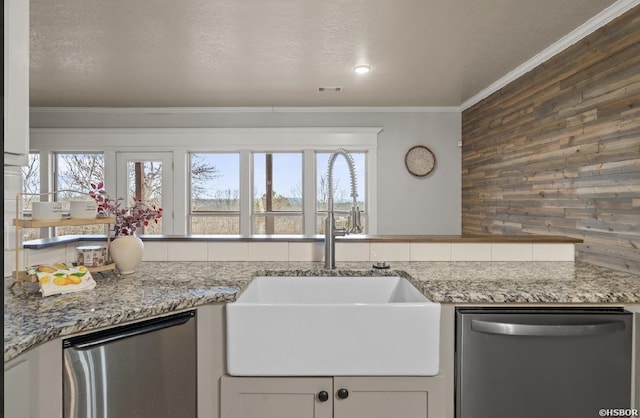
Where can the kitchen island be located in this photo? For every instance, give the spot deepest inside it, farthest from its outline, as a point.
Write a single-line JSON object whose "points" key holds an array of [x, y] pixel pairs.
{"points": [[159, 288], [35, 327]]}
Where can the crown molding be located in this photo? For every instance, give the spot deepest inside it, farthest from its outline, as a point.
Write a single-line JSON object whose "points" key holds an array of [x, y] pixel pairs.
{"points": [[607, 15]]}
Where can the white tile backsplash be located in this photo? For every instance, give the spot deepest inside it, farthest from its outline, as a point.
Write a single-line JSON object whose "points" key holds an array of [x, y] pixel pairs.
{"points": [[155, 251], [228, 251], [352, 251], [396, 251], [9, 262], [269, 251], [306, 251], [430, 251], [553, 252], [187, 251], [314, 251], [470, 251], [511, 251], [47, 255]]}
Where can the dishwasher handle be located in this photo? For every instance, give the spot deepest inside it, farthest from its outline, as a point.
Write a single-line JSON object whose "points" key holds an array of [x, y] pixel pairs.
{"points": [[546, 330], [119, 333]]}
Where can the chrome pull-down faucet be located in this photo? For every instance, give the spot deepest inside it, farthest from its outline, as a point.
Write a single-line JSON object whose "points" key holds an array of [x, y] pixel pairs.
{"points": [[354, 226]]}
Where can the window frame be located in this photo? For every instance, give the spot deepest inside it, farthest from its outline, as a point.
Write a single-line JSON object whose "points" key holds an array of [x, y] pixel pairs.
{"points": [[182, 141]]}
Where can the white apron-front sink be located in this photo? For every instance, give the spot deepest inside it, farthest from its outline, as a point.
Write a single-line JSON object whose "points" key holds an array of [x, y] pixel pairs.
{"points": [[332, 326]]}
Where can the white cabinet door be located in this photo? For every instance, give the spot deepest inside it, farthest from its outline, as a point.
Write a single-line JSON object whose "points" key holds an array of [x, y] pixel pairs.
{"points": [[383, 397], [352, 397], [17, 388], [16, 82], [33, 383], [276, 397]]}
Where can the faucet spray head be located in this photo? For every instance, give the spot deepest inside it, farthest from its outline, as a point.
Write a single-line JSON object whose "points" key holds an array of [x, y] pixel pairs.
{"points": [[354, 218]]}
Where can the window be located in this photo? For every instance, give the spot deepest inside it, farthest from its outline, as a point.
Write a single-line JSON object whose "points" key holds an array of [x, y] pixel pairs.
{"points": [[277, 193], [73, 171], [76, 171], [342, 199], [215, 180], [147, 177], [215, 193], [144, 184]]}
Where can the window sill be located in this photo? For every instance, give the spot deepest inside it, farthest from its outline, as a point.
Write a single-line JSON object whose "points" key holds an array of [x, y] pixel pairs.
{"points": [[67, 239]]}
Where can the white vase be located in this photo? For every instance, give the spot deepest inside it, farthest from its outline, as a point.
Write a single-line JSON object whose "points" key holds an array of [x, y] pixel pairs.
{"points": [[126, 252]]}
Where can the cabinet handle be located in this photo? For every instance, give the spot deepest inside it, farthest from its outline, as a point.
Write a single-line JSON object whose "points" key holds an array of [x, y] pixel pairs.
{"points": [[342, 393], [323, 396]]}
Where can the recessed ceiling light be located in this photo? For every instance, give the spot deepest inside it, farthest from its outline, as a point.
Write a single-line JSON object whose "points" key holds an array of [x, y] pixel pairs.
{"points": [[362, 69]]}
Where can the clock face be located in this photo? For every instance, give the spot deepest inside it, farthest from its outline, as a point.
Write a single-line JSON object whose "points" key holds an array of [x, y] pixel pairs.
{"points": [[420, 161]]}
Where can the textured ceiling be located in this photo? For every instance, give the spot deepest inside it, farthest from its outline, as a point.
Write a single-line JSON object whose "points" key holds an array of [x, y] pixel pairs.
{"points": [[278, 52]]}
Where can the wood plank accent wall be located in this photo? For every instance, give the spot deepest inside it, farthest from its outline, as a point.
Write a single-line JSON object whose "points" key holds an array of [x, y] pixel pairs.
{"points": [[557, 151]]}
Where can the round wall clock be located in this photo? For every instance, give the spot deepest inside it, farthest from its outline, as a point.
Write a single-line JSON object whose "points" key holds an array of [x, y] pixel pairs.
{"points": [[420, 160]]}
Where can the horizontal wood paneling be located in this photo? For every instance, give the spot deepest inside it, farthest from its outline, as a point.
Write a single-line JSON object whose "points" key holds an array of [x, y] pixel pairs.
{"points": [[557, 151]]}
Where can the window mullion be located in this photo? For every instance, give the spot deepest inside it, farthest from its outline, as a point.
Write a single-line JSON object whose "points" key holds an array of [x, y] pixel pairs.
{"points": [[47, 179], [246, 192], [181, 219], [269, 220], [309, 191]]}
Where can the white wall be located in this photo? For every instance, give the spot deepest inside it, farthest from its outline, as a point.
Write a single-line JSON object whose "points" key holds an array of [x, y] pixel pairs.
{"points": [[406, 204]]}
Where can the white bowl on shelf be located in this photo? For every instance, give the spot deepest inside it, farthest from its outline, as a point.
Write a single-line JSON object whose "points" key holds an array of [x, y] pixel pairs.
{"points": [[83, 209], [46, 211]]}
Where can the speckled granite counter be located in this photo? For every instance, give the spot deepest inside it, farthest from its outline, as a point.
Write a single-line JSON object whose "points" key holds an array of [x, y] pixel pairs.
{"points": [[159, 288]]}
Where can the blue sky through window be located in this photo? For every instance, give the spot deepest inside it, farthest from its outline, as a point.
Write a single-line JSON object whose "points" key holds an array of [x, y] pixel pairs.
{"points": [[287, 173]]}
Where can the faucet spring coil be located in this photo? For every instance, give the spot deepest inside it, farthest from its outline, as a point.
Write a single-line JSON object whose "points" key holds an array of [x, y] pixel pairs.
{"points": [[352, 171]]}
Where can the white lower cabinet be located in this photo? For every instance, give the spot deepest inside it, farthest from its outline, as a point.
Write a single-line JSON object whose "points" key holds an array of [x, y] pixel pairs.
{"points": [[17, 387], [275, 397], [332, 397], [33, 383], [378, 397]]}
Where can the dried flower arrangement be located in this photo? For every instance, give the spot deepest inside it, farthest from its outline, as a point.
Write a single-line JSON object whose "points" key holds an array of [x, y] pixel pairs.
{"points": [[128, 219]]}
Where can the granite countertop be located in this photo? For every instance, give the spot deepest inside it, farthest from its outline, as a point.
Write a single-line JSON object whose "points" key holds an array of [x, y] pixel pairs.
{"points": [[162, 287]]}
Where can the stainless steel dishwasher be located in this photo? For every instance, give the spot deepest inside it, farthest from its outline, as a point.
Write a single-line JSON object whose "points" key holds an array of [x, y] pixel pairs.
{"points": [[142, 370], [547, 362]]}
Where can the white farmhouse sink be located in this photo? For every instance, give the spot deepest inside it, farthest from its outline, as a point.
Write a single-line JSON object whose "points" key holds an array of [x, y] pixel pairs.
{"points": [[332, 326]]}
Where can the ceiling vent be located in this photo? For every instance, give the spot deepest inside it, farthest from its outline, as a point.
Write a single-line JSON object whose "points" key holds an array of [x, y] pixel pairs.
{"points": [[335, 89]]}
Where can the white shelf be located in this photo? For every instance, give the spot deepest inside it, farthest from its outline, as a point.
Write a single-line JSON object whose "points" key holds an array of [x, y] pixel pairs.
{"points": [[33, 223], [21, 276]]}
